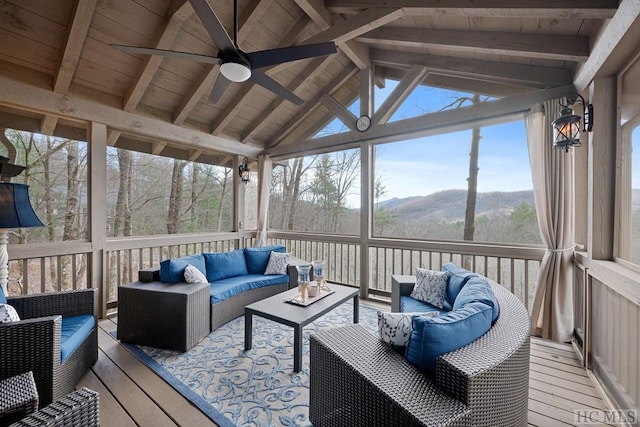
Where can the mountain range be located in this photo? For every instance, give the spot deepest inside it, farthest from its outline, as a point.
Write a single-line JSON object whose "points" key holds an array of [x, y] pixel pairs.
{"points": [[449, 205]]}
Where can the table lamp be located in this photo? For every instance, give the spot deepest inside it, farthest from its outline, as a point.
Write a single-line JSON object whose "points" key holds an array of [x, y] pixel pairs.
{"points": [[15, 212]]}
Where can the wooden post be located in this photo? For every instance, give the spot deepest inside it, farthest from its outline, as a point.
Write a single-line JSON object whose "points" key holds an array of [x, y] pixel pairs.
{"points": [[97, 152], [238, 201], [602, 169], [366, 215]]}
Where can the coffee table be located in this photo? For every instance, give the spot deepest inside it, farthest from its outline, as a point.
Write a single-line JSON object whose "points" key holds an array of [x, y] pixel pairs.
{"points": [[276, 309]]}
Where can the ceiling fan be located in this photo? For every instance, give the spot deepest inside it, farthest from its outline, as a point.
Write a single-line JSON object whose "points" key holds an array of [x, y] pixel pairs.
{"points": [[236, 65]]}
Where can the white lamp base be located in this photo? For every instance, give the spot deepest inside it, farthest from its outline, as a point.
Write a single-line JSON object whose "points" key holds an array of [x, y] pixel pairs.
{"points": [[4, 261]]}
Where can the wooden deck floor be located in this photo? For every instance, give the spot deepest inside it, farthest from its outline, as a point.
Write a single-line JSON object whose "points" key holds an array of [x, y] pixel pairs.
{"points": [[131, 394]]}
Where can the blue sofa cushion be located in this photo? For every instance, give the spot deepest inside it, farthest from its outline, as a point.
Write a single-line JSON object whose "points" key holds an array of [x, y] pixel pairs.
{"points": [[434, 336], [257, 258], [172, 270], [458, 277], [3, 298], [231, 286], [75, 329], [478, 289], [221, 265], [412, 305]]}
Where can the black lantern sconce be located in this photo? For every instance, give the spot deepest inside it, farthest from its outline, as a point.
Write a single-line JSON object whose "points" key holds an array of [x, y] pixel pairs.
{"points": [[566, 128], [243, 171]]}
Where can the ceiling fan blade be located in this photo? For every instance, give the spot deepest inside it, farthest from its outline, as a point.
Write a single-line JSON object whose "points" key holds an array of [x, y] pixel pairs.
{"points": [[265, 58], [258, 77], [168, 53], [213, 26], [219, 87]]}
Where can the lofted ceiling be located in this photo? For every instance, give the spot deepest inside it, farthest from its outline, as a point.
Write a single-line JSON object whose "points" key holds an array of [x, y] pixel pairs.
{"points": [[59, 70]]}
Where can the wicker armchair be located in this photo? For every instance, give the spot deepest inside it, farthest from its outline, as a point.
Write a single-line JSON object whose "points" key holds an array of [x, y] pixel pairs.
{"points": [[357, 380], [33, 343], [77, 409]]}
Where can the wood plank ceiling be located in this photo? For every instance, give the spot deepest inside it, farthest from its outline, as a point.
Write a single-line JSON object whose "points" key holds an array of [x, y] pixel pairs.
{"points": [[60, 48]]}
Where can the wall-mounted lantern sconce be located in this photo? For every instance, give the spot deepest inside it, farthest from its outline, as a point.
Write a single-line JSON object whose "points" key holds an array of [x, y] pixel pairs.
{"points": [[566, 128], [243, 171]]}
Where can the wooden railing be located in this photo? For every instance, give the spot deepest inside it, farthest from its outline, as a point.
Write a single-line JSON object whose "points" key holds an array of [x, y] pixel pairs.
{"points": [[513, 266], [66, 265]]}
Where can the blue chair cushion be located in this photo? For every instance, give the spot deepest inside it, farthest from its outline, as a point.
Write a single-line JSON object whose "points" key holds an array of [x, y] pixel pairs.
{"points": [[221, 265], [458, 277], [3, 298], [75, 330], [172, 270], [258, 258], [434, 336], [412, 305], [478, 289], [231, 286]]}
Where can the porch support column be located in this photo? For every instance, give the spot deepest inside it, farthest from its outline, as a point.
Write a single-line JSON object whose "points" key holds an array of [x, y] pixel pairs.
{"points": [[97, 152], [238, 201], [366, 215], [602, 169]]}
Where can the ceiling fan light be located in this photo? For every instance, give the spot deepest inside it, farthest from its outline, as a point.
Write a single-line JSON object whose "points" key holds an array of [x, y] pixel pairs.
{"points": [[235, 71]]}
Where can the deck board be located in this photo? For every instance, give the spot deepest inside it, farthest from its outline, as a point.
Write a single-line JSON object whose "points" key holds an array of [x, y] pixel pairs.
{"points": [[130, 393]]}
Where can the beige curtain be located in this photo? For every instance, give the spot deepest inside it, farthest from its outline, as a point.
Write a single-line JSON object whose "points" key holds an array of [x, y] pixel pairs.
{"points": [[551, 169], [265, 165]]}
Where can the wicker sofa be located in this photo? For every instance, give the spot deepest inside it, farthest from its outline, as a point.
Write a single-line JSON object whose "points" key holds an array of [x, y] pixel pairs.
{"points": [[79, 408], [357, 380], [232, 306]]}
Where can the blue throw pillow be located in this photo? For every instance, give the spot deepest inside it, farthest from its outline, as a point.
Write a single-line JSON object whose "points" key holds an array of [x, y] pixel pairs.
{"points": [[172, 270], [3, 298], [458, 277], [434, 336], [478, 289], [221, 265], [257, 258]]}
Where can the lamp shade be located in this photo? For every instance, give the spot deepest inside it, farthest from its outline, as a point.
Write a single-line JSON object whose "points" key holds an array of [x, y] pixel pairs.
{"points": [[15, 207]]}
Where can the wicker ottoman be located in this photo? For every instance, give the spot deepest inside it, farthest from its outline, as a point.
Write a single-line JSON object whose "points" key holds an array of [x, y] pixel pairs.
{"points": [[163, 315]]}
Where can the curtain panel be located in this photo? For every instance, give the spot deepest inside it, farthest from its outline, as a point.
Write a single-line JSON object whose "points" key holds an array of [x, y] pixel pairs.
{"points": [[552, 173], [265, 164]]}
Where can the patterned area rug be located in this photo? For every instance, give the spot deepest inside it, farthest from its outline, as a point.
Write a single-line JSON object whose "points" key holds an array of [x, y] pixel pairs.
{"points": [[253, 388]]}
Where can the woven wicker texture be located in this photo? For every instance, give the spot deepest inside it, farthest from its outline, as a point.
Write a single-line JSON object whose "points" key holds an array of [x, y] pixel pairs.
{"points": [[18, 397], [163, 315], [40, 328], [357, 380], [78, 409]]}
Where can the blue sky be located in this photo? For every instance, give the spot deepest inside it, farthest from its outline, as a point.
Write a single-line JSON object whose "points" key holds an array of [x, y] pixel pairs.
{"points": [[426, 165]]}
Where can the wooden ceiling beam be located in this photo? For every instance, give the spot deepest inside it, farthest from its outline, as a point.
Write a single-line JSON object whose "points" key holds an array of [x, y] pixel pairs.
{"points": [[428, 124], [24, 96], [412, 78], [339, 111], [303, 112], [544, 46], [151, 64], [74, 41], [366, 92], [618, 39], [526, 75], [550, 9], [356, 25]]}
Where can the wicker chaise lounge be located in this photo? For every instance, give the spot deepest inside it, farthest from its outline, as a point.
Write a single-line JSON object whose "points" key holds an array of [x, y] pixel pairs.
{"points": [[357, 380]]}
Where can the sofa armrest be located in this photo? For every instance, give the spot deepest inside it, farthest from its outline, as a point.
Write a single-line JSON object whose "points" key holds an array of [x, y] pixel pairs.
{"points": [[79, 408], [64, 303], [32, 345], [401, 285], [357, 380]]}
